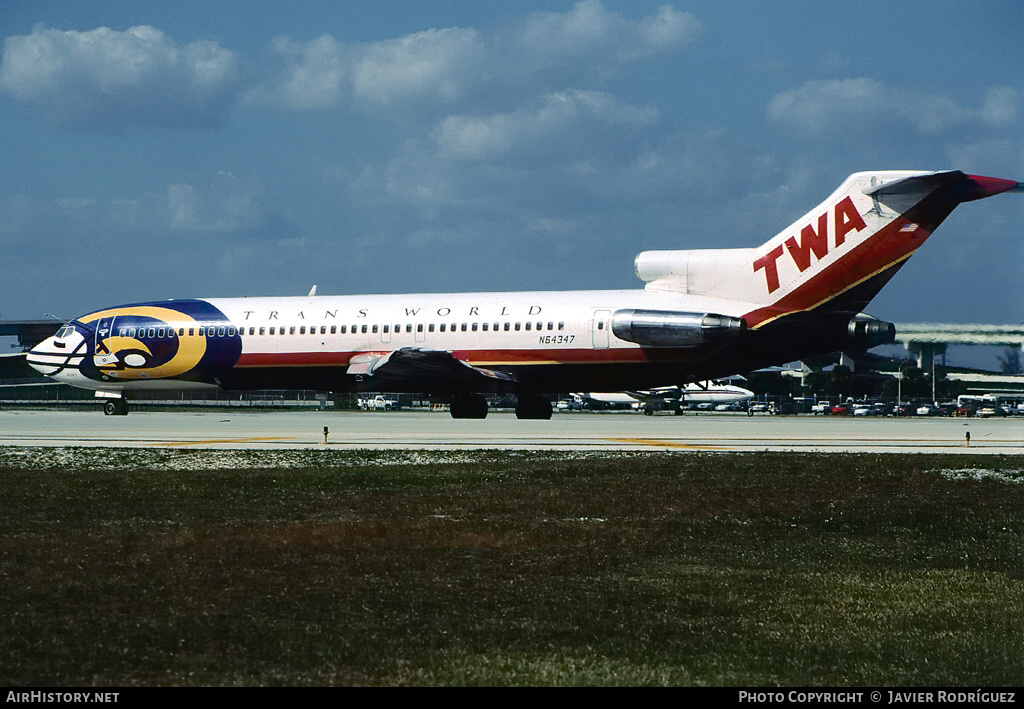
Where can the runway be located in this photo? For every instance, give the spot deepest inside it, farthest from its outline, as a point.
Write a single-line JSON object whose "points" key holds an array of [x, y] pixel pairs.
{"points": [[414, 430]]}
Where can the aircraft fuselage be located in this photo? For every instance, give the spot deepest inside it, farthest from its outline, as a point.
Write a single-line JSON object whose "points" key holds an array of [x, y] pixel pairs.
{"points": [[548, 341]]}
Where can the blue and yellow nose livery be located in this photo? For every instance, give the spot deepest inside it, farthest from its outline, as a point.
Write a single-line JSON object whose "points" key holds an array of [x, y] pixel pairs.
{"points": [[188, 340]]}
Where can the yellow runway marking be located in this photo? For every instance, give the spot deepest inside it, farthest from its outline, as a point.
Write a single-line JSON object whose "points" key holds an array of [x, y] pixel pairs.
{"points": [[655, 442], [221, 440]]}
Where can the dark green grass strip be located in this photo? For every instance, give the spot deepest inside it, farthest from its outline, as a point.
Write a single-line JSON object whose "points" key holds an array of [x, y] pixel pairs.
{"points": [[516, 568]]}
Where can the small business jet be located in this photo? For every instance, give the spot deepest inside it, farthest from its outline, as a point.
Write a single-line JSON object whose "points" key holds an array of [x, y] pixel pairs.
{"points": [[703, 314]]}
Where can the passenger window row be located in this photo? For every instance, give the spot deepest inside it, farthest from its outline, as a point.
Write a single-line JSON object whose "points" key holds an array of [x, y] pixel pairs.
{"points": [[229, 331], [154, 333]]}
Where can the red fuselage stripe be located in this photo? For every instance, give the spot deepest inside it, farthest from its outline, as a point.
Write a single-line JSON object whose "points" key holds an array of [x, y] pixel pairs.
{"points": [[482, 358]]}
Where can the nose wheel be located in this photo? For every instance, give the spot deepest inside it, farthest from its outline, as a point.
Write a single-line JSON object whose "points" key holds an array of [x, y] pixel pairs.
{"points": [[115, 407]]}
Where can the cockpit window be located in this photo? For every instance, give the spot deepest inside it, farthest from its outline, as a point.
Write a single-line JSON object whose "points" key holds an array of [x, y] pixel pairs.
{"points": [[65, 331]]}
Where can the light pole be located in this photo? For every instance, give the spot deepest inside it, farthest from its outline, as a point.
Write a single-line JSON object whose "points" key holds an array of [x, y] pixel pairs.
{"points": [[933, 380]]}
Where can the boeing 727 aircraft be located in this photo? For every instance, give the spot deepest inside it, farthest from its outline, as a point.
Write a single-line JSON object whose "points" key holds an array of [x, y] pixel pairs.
{"points": [[703, 314]]}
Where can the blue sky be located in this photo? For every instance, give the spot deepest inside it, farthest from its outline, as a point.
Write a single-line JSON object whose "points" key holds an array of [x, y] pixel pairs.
{"points": [[155, 150]]}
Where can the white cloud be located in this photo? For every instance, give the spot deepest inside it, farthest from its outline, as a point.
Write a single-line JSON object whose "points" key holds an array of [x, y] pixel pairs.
{"points": [[316, 75], [866, 104], [437, 63], [543, 52], [104, 79], [590, 30], [1000, 106], [558, 121]]}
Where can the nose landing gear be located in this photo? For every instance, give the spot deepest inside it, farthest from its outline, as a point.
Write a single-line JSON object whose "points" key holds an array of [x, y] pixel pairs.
{"points": [[115, 407]]}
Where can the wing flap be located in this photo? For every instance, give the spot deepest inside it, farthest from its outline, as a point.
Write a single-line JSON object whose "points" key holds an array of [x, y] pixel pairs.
{"points": [[367, 362], [429, 370]]}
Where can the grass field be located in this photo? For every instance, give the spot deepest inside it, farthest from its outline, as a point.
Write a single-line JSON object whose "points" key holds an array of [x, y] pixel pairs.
{"points": [[130, 567]]}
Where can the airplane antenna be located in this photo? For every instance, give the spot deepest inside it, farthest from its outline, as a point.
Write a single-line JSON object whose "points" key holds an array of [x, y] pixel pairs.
{"points": [[64, 322], [312, 291]]}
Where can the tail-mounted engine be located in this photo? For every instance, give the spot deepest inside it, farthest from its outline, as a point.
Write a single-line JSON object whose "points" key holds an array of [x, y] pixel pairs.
{"points": [[667, 328], [866, 332]]}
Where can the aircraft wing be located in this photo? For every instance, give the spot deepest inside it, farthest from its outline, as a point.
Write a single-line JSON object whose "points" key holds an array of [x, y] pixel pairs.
{"points": [[657, 394], [412, 364], [16, 366]]}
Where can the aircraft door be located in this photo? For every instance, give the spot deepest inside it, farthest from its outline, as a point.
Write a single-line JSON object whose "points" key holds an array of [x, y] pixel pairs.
{"points": [[599, 326], [101, 355]]}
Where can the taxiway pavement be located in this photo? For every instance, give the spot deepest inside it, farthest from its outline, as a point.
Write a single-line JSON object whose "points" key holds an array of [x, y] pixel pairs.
{"points": [[418, 430]]}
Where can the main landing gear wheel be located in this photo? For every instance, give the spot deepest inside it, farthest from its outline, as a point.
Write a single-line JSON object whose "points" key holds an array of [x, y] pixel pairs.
{"points": [[469, 406], [115, 407], [533, 406]]}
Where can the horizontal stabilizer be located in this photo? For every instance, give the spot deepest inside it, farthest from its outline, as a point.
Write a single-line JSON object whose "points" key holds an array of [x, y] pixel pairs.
{"points": [[971, 187], [914, 183]]}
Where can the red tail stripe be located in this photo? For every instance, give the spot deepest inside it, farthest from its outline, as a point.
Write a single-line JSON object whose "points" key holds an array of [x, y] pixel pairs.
{"points": [[871, 256]]}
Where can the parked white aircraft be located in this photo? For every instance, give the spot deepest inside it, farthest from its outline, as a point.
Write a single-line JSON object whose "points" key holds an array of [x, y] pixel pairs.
{"points": [[670, 397], [704, 314]]}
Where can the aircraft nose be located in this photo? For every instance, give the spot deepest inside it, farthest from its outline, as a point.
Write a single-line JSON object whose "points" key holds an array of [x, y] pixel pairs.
{"points": [[47, 346], [55, 355], [40, 356]]}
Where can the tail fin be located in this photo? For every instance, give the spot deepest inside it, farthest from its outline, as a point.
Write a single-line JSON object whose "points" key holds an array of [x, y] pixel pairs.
{"points": [[835, 257]]}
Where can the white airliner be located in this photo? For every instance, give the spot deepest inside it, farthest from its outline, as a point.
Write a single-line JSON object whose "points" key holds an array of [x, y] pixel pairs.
{"points": [[703, 314], [670, 398]]}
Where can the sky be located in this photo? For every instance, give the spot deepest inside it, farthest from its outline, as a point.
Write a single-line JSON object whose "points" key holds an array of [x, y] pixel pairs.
{"points": [[153, 150]]}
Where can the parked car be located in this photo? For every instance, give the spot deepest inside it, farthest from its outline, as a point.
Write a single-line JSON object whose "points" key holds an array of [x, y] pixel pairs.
{"points": [[840, 410], [882, 409], [822, 407], [378, 403]]}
